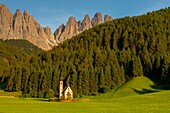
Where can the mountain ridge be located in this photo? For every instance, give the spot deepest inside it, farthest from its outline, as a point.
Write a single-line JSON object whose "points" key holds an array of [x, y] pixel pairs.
{"points": [[74, 27], [24, 26]]}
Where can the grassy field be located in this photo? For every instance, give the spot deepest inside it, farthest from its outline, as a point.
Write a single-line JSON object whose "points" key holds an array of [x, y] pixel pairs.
{"points": [[134, 102]]}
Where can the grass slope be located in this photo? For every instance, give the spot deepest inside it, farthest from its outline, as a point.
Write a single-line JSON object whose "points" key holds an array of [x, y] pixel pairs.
{"points": [[138, 85]]}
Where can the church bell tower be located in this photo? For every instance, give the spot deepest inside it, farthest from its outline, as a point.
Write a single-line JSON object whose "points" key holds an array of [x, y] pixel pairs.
{"points": [[61, 88]]}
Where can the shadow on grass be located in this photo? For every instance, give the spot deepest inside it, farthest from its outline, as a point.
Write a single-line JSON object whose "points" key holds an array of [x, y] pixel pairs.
{"points": [[144, 91], [37, 99], [43, 100], [157, 87], [161, 87]]}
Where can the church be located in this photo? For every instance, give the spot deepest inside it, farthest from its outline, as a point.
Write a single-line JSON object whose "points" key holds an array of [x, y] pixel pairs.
{"points": [[65, 93]]}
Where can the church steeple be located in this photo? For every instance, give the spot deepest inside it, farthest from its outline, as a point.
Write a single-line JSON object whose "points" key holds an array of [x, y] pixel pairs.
{"points": [[61, 87]]}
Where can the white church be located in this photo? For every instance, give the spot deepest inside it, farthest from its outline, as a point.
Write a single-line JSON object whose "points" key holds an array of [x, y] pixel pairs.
{"points": [[65, 93]]}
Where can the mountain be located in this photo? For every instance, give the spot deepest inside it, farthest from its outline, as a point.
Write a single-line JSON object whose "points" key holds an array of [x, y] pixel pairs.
{"points": [[73, 27], [99, 59], [107, 18], [24, 26], [97, 19]]}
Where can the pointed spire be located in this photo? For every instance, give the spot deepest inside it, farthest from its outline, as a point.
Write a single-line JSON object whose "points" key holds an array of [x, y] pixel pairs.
{"points": [[61, 78], [18, 11], [97, 19]]}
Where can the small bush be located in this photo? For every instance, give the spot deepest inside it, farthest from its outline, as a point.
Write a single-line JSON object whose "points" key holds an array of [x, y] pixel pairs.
{"points": [[80, 96], [104, 89], [50, 93], [25, 96], [94, 94], [40, 95]]}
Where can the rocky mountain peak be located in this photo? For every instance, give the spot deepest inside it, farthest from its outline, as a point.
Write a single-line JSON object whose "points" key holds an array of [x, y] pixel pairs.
{"points": [[47, 30], [18, 12], [87, 17], [70, 30], [24, 26], [97, 19], [49, 34], [86, 23], [58, 33], [5, 22], [107, 18], [66, 32], [26, 13], [18, 21], [73, 28], [71, 19], [4, 9]]}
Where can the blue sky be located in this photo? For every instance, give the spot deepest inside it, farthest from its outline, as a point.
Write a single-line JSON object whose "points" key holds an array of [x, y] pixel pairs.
{"points": [[53, 13]]}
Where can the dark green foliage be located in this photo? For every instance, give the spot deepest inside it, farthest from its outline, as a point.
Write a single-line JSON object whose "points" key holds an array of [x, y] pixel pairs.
{"points": [[25, 46], [100, 59], [14, 53], [104, 89], [49, 94]]}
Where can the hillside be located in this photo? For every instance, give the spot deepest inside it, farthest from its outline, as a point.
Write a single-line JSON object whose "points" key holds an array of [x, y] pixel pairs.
{"points": [[25, 46], [138, 85], [101, 58], [15, 52]]}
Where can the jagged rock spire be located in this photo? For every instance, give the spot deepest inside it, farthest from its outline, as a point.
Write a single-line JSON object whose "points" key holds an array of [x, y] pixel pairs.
{"points": [[73, 28], [24, 26]]}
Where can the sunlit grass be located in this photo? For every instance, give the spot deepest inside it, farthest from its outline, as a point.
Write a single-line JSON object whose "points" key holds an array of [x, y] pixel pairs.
{"points": [[136, 86], [158, 102]]}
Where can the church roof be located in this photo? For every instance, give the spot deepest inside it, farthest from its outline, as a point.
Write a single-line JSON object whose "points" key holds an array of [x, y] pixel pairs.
{"points": [[67, 88], [61, 78]]}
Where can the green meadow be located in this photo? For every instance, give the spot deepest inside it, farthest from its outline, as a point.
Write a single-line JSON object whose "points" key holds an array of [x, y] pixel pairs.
{"points": [[136, 96]]}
